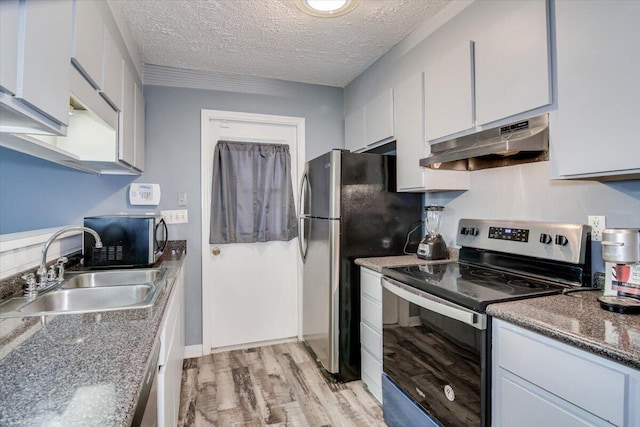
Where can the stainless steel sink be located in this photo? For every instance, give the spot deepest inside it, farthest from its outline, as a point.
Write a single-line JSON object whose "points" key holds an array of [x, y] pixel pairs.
{"points": [[94, 279], [93, 291], [89, 299]]}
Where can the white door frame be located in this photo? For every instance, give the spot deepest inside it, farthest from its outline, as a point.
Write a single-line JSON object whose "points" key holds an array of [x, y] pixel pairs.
{"points": [[207, 268]]}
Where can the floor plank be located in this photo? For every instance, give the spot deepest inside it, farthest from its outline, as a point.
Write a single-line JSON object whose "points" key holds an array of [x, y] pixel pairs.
{"points": [[278, 385]]}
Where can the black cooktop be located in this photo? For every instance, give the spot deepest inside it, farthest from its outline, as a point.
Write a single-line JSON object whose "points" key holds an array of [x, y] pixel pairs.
{"points": [[470, 285]]}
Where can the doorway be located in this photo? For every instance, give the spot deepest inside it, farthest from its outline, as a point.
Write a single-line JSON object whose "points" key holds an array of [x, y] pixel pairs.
{"points": [[250, 291]]}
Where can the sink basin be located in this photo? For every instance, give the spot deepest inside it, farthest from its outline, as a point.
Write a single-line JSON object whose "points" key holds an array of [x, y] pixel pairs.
{"points": [[94, 279], [89, 300], [92, 291]]}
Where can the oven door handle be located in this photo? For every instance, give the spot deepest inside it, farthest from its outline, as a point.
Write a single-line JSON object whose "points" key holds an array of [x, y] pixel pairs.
{"points": [[435, 304]]}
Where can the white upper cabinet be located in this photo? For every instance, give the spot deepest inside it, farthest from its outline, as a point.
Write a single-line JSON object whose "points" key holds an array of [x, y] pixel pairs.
{"points": [[126, 150], [139, 144], [131, 149], [111, 71], [88, 34], [502, 71], [45, 58], [449, 92], [9, 19], [410, 143], [35, 50], [512, 63], [371, 124], [354, 130], [378, 118], [592, 133]]}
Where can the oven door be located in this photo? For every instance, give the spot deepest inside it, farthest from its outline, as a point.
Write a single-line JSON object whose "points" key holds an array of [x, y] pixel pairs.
{"points": [[437, 354]]}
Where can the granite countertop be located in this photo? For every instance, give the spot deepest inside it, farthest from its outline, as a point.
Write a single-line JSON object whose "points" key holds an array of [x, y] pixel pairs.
{"points": [[577, 319], [378, 263], [49, 379]]}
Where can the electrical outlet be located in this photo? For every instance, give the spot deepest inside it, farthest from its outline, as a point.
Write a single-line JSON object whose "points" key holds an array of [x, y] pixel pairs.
{"points": [[182, 199], [175, 216], [597, 223]]}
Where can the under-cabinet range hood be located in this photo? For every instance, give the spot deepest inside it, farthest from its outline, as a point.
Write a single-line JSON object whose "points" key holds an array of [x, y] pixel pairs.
{"points": [[520, 142]]}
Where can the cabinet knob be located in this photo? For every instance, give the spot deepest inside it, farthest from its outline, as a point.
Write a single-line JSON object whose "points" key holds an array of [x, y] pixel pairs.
{"points": [[215, 251]]}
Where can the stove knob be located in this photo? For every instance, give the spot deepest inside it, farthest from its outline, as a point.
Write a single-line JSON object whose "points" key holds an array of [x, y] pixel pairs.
{"points": [[545, 238], [464, 231], [561, 240], [473, 231]]}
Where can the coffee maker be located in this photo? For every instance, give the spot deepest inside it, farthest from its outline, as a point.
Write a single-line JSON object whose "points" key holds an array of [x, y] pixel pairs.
{"points": [[433, 246], [621, 252]]}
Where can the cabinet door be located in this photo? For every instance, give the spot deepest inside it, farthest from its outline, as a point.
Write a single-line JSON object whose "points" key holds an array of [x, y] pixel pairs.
{"points": [[512, 62], [126, 146], [9, 18], [449, 92], [45, 57], [354, 130], [409, 130], [598, 64], [139, 148], [88, 41], [378, 118], [112, 71]]}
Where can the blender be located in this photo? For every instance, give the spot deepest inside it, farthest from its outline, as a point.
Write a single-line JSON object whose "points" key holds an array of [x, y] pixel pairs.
{"points": [[433, 247]]}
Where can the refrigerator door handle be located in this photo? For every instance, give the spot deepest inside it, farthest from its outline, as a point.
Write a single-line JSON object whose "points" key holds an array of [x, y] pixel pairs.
{"points": [[302, 241], [304, 194]]}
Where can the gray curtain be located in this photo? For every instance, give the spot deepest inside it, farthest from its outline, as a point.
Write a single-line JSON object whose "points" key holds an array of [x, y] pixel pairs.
{"points": [[252, 193]]}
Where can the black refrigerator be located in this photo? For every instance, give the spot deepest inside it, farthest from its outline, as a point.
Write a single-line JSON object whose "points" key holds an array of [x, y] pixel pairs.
{"points": [[349, 209]]}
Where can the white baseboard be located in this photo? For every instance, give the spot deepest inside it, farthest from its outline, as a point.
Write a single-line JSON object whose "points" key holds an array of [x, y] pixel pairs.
{"points": [[191, 351], [253, 345]]}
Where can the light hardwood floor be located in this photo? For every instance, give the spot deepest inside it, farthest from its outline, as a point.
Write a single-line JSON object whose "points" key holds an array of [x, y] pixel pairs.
{"points": [[277, 385]]}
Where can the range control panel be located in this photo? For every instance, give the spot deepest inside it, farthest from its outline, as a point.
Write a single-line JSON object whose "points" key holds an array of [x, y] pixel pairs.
{"points": [[507, 233], [556, 241]]}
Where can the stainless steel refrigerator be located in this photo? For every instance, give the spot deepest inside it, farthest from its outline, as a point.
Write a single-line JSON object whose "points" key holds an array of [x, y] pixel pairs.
{"points": [[348, 209]]}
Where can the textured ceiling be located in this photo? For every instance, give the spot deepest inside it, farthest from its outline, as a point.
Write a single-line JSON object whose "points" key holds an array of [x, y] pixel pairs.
{"points": [[271, 38]]}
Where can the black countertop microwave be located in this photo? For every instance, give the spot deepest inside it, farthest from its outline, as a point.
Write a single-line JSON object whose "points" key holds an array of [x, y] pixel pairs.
{"points": [[127, 240]]}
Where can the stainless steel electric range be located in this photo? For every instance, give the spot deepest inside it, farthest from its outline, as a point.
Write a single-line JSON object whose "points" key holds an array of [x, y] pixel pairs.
{"points": [[436, 354]]}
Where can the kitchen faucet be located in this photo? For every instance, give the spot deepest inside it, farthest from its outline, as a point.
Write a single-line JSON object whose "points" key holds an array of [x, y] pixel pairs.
{"points": [[46, 280]]}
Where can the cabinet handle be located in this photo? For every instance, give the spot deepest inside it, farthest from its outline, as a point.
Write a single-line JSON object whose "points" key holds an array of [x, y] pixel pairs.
{"points": [[215, 251]]}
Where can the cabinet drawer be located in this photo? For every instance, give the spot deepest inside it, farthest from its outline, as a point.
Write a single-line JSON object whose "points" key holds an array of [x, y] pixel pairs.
{"points": [[523, 407], [588, 385], [371, 341], [371, 313], [374, 388], [370, 284], [371, 368]]}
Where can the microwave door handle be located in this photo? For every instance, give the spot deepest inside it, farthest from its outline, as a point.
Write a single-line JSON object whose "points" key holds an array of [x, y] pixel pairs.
{"points": [[166, 234], [466, 316]]}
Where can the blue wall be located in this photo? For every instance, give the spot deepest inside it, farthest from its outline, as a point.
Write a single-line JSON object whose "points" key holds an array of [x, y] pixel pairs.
{"points": [[173, 154], [37, 194]]}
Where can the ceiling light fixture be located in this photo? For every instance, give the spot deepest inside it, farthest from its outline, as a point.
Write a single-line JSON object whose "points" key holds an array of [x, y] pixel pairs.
{"points": [[326, 8]]}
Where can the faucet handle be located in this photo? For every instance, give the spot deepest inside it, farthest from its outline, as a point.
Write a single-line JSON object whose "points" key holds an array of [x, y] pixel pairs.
{"points": [[60, 267], [51, 274], [29, 278], [31, 289]]}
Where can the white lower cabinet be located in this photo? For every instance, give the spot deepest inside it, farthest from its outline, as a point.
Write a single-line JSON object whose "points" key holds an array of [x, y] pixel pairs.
{"points": [[171, 355], [539, 381], [372, 317]]}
